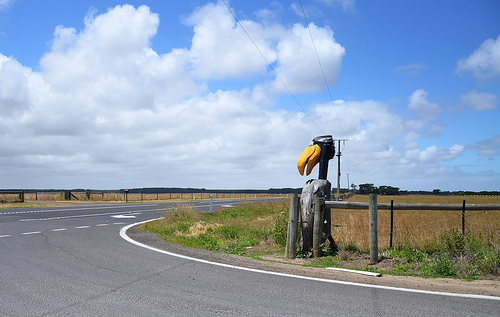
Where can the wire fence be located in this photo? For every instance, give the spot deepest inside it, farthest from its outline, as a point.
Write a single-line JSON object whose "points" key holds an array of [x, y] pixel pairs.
{"points": [[124, 197], [411, 228]]}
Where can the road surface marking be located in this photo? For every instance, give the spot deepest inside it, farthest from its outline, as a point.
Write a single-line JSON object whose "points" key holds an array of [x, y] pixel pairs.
{"points": [[73, 209], [33, 232], [123, 234], [82, 216]]}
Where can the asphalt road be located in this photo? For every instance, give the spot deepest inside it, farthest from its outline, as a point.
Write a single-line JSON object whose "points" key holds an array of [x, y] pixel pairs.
{"points": [[72, 261]]}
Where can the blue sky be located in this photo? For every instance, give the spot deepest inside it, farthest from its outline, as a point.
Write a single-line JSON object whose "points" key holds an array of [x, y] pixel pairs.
{"points": [[113, 94]]}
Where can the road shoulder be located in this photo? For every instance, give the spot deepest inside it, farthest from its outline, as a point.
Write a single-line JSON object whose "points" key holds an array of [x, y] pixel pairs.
{"points": [[478, 287]]}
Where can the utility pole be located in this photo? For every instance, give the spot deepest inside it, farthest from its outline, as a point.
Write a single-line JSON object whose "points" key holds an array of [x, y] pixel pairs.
{"points": [[339, 153]]}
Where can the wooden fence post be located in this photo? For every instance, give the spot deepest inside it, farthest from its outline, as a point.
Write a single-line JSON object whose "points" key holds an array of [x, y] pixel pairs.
{"points": [[319, 209], [373, 228], [293, 225]]}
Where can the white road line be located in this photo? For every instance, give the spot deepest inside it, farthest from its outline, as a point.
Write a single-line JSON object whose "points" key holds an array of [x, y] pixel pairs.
{"points": [[73, 209], [354, 271], [82, 216], [63, 229], [123, 234], [124, 216]]}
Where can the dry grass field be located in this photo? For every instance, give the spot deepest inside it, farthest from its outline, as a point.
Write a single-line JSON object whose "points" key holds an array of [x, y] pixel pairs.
{"points": [[415, 228]]}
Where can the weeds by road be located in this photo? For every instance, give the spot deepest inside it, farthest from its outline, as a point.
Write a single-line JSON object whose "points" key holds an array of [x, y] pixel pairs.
{"points": [[259, 231]]}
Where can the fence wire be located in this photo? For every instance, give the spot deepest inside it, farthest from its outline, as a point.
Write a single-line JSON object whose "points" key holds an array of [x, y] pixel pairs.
{"points": [[350, 228]]}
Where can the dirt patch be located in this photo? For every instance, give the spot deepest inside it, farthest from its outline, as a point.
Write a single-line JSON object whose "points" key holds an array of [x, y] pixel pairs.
{"points": [[198, 229], [276, 263]]}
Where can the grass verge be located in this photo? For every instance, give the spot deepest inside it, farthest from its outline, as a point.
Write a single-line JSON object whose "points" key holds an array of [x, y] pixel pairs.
{"points": [[248, 229], [259, 230]]}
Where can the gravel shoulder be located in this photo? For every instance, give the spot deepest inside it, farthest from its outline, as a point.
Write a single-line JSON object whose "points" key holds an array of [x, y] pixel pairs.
{"points": [[478, 287]]}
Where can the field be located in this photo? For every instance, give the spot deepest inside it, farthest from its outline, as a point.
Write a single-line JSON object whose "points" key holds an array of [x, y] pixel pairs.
{"points": [[414, 229]]}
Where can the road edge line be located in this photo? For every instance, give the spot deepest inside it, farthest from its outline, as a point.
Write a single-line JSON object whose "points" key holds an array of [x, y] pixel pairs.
{"points": [[123, 234]]}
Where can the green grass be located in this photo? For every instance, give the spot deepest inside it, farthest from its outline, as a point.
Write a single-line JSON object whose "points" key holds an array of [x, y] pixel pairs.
{"points": [[452, 255], [258, 229], [247, 229]]}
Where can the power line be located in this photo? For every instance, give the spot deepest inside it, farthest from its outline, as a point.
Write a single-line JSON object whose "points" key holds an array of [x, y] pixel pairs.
{"points": [[331, 99], [322, 70], [270, 66]]}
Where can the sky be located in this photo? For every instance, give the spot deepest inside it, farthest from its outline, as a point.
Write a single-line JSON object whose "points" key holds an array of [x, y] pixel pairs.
{"points": [[227, 94]]}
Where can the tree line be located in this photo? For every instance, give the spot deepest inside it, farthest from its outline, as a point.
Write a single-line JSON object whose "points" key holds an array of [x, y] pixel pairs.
{"points": [[173, 190], [362, 189], [365, 189]]}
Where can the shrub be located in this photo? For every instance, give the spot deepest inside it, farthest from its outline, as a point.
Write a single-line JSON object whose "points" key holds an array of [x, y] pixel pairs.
{"points": [[443, 266]]}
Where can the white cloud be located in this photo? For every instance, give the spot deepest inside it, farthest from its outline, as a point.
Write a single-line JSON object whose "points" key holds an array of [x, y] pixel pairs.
{"points": [[479, 101], [6, 3], [418, 102], [411, 69], [426, 123], [221, 48], [434, 153], [488, 147], [106, 110], [484, 62], [272, 13], [345, 4], [298, 65], [14, 90]]}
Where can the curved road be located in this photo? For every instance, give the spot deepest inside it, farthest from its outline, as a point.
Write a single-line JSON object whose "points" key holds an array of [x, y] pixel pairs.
{"points": [[72, 261]]}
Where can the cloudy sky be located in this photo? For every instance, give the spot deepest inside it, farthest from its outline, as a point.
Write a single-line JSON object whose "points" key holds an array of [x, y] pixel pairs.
{"points": [[108, 94]]}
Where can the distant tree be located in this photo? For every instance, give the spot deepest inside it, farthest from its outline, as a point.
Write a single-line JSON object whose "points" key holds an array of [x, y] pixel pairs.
{"points": [[436, 192], [353, 187], [392, 190], [365, 189], [382, 190], [388, 190]]}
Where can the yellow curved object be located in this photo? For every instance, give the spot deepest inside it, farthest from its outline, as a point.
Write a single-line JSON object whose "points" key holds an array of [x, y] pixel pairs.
{"points": [[314, 159], [310, 156]]}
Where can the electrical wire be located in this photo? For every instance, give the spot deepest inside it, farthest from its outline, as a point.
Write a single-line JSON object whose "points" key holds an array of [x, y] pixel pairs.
{"points": [[326, 84], [271, 67], [322, 70]]}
